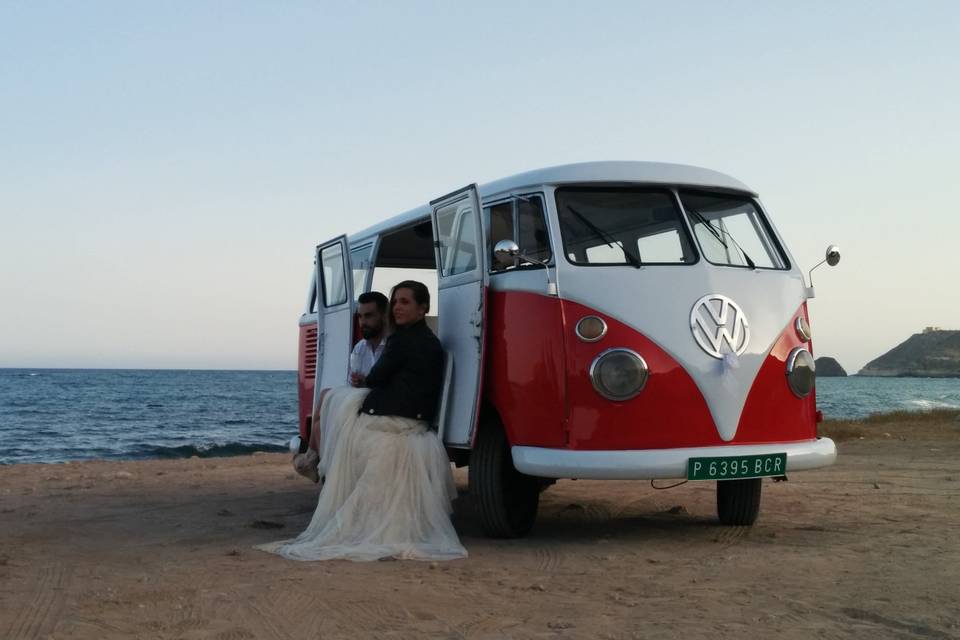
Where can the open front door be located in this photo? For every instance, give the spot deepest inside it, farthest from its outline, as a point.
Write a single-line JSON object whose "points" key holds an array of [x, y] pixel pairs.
{"points": [[334, 316], [462, 284]]}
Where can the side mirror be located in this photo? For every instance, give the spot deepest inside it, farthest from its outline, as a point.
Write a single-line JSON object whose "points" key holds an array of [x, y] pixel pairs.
{"points": [[506, 251], [833, 255]]}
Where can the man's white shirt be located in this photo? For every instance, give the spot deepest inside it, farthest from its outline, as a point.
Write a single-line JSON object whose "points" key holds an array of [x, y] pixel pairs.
{"points": [[367, 357]]}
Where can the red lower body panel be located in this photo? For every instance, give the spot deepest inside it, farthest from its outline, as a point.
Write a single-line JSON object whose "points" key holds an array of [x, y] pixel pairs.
{"points": [[538, 380]]}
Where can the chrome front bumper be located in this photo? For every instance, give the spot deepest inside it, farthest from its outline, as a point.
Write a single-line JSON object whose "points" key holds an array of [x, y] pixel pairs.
{"points": [[653, 464]]}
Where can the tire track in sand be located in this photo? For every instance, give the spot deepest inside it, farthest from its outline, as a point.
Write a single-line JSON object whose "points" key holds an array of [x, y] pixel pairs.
{"points": [[271, 618], [730, 535], [549, 557], [38, 617]]}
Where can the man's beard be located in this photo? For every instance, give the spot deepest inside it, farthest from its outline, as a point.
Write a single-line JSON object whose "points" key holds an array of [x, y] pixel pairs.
{"points": [[369, 332]]}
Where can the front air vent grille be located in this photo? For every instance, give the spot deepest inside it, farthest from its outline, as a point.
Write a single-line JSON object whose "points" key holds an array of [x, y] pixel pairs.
{"points": [[310, 354]]}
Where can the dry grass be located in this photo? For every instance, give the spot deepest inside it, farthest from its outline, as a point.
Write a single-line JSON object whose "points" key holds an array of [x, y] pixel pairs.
{"points": [[914, 425]]}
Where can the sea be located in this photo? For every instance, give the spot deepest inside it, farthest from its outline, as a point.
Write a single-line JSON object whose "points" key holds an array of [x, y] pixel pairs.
{"points": [[60, 415]]}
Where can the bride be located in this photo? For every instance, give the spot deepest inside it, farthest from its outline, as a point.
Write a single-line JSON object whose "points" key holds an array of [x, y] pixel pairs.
{"points": [[388, 487]]}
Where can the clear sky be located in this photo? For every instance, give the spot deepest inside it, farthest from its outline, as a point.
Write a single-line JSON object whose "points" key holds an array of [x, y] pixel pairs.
{"points": [[166, 169]]}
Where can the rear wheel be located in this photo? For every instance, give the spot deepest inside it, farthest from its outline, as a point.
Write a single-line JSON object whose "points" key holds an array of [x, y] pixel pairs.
{"points": [[506, 499], [738, 501]]}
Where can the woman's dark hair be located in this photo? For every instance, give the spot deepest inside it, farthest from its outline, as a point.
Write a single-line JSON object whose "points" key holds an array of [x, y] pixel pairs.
{"points": [[420, 293]]}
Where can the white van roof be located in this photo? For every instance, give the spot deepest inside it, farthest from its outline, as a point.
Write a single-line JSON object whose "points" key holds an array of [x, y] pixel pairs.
{"points": [[613, 172]]}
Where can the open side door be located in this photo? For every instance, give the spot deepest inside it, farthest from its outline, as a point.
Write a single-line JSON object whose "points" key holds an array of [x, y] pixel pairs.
{"points": [[462, 285], [334, 317]]}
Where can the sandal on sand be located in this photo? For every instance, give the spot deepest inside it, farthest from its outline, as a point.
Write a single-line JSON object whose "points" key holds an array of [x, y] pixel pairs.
{"points": [[306, 464]]}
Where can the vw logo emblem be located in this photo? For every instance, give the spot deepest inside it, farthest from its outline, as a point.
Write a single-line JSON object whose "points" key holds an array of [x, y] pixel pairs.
{"points": [[716, 319]]}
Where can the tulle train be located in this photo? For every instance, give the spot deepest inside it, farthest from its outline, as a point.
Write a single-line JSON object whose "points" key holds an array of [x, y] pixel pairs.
{"points": [[388, 490]]}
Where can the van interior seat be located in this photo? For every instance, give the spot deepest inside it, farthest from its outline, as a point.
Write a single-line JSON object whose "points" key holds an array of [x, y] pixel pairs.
{"points": [[433, 323]]}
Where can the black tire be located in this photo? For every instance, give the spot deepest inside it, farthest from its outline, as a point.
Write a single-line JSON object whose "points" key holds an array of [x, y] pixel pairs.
{"points": [[506, 499], [738, 501]]}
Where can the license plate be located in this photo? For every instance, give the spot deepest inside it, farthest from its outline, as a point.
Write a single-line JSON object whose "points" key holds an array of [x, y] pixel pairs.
{"points": [[733, 467]]}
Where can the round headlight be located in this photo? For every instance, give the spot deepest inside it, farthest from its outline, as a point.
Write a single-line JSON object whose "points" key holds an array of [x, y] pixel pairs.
{"points": [[803, 329], [801, 372], [591, 328], [618, 374]]}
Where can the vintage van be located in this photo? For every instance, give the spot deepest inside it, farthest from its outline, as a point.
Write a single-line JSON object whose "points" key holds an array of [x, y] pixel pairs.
{"points": [[626, 320]]}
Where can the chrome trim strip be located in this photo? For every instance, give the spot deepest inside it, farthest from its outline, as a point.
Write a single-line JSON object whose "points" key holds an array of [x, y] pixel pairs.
{"points": [[584, 338], [650, 464]]}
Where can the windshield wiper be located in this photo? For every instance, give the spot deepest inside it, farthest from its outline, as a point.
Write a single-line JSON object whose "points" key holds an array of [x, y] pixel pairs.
{"points": [[716, 234], [634, 260]]}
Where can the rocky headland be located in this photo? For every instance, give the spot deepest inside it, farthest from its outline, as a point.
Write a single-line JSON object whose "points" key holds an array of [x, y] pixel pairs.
{"points": [[829, 368], [934, 353]]}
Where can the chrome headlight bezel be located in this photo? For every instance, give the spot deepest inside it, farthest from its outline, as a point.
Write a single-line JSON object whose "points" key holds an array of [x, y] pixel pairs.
{"points": [[579, 328], [801, 386], [599, 385], [803, 329]]}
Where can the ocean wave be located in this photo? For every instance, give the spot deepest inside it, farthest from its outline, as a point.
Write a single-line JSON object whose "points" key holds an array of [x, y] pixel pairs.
{"points": [[926, 405], [204, 450]]}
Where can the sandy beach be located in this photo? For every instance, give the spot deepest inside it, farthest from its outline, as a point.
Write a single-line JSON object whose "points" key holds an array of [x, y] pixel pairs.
{"points": [[164, 549]]}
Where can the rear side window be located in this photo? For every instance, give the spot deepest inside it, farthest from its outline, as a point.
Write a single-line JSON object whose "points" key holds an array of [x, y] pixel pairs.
{"points": [[614, 226]]}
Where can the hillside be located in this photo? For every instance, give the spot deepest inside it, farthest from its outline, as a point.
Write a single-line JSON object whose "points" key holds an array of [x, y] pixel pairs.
{"points": [[829, 368], [935, 353]]}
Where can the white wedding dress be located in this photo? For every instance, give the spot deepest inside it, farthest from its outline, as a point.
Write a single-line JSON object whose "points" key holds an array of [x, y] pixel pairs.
{"points": [[387, 493]]}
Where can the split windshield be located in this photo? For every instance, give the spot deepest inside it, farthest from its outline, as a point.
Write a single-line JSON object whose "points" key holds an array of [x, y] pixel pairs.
{"points": [[622, 226], [730, 230], [637, 227]]}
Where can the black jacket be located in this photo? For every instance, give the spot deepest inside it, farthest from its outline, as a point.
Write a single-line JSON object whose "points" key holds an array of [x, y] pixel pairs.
{"points": [[407, 378]]}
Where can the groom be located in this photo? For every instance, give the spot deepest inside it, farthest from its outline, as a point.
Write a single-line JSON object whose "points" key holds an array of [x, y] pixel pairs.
{"points": [[372, 319]]}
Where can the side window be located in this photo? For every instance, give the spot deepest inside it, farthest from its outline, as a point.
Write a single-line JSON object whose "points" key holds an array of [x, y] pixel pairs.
{"points": [[360, 266], [456, 228], [501, 228], [464, 256], [334, 276], [523, 221], [532, 229]]}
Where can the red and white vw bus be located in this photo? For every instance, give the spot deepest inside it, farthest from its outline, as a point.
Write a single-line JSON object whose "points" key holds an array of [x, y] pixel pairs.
{"points": [[625, 320]]}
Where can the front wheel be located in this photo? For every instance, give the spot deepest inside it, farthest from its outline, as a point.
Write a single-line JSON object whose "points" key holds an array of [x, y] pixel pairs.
{"points": [[738, 501], [506, 499]]}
